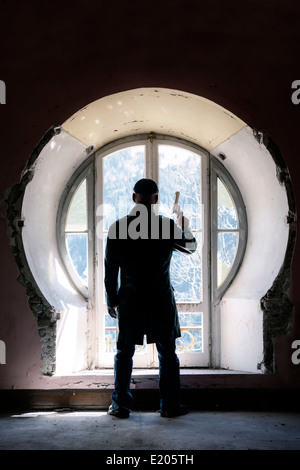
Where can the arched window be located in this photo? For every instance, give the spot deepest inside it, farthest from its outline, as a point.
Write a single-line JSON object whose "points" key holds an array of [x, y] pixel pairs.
{"points": [[76, 229], [229, 298], [228, 228], [101, 191]]}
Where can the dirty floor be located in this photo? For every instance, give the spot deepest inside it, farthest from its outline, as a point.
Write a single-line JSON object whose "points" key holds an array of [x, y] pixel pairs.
{"points": [[95, 430]]}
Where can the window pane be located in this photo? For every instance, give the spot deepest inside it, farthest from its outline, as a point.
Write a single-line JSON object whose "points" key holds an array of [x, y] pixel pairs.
{"points": [[192, 319], [110, 340], [227, 215], [180, 170], [121, 170], [190, 341], [110, 322], [227, 249], [77, 212], [191, 332], [186, 275], [77, 250]]}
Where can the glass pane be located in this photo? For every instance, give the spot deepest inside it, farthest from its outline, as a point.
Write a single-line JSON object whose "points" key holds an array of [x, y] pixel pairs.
{"points": [[191, 332], [180, 170], [121, 170], [110, 340], [77, 212], [187, 319], [186, 275], [77, 250], [190, 341], [227, 214], [110, 322], [227, 249]]}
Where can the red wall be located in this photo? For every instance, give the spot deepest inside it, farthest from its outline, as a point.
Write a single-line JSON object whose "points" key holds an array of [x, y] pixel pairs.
{"points": [[56, 58]]}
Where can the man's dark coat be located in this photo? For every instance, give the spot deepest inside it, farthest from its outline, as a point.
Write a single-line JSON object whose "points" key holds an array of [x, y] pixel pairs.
{"points": [[143, 294]]}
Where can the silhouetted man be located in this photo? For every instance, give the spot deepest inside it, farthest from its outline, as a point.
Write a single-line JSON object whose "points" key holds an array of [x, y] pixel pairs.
{"points": [[139, 247]]}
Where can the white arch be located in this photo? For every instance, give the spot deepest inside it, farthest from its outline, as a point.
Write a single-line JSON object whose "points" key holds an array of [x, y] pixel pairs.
{"points": [[202, 122], [159, 110]]}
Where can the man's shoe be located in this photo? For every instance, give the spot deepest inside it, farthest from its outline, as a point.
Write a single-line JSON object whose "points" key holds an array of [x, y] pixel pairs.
{"points": [[118, 411], [181, 410]]}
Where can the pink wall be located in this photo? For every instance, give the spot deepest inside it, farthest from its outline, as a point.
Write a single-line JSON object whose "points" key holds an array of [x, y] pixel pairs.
{"points": [[242, 55]]}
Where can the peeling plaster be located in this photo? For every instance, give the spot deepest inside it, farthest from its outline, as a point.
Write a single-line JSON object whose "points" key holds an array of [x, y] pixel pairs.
{"points": [[261, 285], [276, 305], [45, 314]]}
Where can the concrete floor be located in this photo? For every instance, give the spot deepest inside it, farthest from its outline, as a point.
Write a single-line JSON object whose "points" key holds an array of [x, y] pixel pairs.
{"points": [[199, 430]]}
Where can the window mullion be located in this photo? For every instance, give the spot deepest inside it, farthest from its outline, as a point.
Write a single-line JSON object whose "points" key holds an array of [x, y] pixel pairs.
{"points": [[91, 226], [228, 230], [151, 164]]}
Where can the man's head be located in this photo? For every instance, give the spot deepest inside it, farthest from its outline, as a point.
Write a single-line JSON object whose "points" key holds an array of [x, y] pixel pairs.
{"points": [[145, 192]]}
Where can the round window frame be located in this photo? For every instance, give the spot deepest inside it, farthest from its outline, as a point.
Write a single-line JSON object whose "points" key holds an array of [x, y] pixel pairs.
{"points": [[218, 170], [84, 171], [87, 170]]}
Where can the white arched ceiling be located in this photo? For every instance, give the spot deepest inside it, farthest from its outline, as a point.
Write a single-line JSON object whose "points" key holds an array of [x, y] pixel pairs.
{"points": [[201, 122], [163, 111]]}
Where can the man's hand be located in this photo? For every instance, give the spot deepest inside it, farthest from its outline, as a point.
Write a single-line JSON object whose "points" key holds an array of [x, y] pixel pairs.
{"points": [[112, 312]]}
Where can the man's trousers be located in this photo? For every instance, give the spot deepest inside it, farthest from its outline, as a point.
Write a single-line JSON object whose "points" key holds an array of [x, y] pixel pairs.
{"points": [[169, 375]]}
